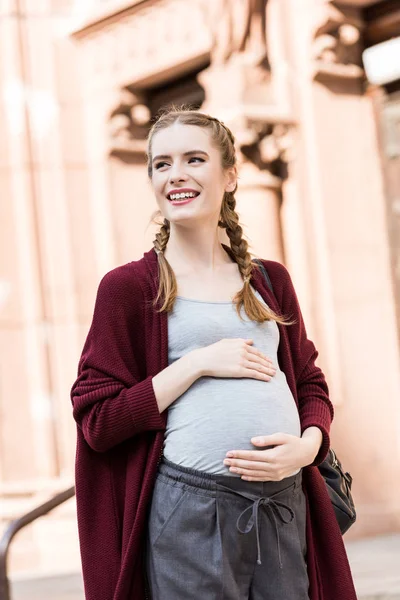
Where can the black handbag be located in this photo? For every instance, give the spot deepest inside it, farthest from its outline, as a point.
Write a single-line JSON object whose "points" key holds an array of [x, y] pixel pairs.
{"points": [[338, 482]]}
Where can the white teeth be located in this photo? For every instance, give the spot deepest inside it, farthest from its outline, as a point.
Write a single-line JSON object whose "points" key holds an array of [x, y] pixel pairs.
{"points": [[181, 196]]}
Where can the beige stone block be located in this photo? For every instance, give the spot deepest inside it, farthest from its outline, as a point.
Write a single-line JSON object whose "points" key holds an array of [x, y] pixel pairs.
{"points": [[85, 276], [68, 75], [10, 300], [24, 408], [7, 7], [4, 131], [101, 214], [26, 274], [13, 147], [55, 243], [35, 8], [64, 350], [41, 93], [73, 135], [133, 203], [258, 202]]}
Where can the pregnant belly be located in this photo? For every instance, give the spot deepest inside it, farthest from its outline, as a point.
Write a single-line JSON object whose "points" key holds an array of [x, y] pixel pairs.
{"points": [[219, 414]]}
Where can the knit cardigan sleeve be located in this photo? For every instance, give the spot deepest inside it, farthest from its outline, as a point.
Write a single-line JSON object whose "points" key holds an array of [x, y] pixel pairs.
{"points": [[112, 401], [315, 407]]}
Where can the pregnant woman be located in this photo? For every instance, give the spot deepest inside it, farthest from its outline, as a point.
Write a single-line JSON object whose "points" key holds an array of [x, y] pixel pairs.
{"points": [[201, 414]]}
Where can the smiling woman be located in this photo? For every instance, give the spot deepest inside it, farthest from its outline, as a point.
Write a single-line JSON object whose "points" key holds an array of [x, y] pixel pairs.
{"points": [[201, 413], [187, 147]]}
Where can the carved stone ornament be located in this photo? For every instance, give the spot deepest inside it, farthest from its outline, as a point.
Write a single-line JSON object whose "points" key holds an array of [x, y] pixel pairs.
{"points": [[239, 27], [269, 146], [128, 127], [337, 44]]}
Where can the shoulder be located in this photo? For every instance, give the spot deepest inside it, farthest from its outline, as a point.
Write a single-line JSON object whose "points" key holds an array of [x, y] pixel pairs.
{"points": [[124, 283], [282, 286], [278, 273], [125, 277]]}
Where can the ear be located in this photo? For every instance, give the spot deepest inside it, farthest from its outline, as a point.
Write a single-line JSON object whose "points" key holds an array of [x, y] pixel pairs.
{"points": [[231, 179]]}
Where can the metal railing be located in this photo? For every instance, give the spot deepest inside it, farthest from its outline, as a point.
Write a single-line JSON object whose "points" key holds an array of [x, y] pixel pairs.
{"points": [[18, 524]]}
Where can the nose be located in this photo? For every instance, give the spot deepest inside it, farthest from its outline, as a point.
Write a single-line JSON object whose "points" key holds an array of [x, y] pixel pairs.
{"points": [[177, 173]]}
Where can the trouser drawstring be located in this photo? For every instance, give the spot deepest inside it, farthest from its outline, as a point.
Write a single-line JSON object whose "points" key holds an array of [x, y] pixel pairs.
{"points": [[274, 508]]}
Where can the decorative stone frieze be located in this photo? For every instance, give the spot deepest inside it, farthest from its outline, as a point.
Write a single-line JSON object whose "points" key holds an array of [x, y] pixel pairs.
{"points": [[148, 43], [268, 146], [338, 43], [128, 127], [239, 27]]}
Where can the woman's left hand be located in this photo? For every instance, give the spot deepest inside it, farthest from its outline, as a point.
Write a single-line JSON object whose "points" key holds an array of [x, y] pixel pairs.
{"points": [[289, 454]]}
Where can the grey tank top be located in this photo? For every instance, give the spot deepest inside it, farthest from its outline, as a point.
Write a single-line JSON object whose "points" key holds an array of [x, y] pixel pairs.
{"points": [[218, 414]]}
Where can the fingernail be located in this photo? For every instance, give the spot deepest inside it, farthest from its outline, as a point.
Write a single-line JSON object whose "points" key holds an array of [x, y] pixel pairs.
{"points": [[229, 454]]}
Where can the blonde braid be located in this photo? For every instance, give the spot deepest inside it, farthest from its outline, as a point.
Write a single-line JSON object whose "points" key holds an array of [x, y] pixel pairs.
{"points": [[168, 288], [162, 237], [245, 298], [234, 231]]}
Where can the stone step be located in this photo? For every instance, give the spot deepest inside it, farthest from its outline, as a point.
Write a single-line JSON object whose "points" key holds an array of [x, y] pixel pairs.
{"points": [[380, 597], [61, 587], [374, 562], [70, 587]]}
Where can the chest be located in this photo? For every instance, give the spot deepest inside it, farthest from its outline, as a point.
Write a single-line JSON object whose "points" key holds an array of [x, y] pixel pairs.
{"points": [[210, 287], [194, 324]]}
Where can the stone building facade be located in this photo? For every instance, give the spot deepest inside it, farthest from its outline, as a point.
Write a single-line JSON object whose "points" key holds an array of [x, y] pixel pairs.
{"points": [[319, 190]]}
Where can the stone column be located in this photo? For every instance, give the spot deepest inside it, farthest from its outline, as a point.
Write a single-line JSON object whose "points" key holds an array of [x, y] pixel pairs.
{"points": [[347, 249], [258, 206], [239, 91], [27, 403], [132, 200]]}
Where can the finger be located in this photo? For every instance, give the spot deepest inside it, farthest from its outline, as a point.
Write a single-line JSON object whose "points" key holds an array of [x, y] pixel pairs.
{"points": [[259, 364], [250, 473], [270, 440], [247, 464], [258, 353], [255, 374], [265, 478], [252, 455], [254, 366], [260, 479]]}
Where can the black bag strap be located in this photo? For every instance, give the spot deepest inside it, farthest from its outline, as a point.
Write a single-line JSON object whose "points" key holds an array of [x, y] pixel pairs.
{"points": [[265, 273]]}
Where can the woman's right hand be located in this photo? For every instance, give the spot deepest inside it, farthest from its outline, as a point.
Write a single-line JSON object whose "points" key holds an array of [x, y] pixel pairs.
{"points": [[234, 357]]}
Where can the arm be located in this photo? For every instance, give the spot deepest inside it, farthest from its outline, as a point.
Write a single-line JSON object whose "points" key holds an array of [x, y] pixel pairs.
{"points": [[315, 408], [173, 381], [314, 438], [112, 401]]}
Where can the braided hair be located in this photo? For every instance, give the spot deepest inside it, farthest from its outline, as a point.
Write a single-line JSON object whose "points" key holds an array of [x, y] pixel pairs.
{"points": [[228, 220]]}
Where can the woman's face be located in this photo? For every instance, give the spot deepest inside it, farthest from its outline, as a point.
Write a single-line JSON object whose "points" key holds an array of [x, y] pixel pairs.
{"points": [[188, 179]]}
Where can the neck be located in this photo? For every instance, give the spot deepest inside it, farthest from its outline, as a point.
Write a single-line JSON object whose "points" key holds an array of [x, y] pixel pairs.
{"points": [[195, 250]]}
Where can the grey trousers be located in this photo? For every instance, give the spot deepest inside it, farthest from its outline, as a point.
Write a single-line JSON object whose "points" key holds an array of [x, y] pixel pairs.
{"points": [[216, 537]]}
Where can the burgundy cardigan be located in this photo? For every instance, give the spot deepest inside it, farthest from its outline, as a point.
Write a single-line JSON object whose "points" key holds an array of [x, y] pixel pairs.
{"points": [[120, 432]]}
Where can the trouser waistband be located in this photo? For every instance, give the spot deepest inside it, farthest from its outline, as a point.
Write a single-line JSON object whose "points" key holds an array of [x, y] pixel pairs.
{"points": [[258, 493]]}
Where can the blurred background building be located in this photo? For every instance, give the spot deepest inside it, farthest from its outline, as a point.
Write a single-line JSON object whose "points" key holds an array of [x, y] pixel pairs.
{"points": [[311, 89]]}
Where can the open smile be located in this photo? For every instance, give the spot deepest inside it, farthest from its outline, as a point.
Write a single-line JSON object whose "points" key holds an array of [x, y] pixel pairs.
{"points": [[182, 196]]}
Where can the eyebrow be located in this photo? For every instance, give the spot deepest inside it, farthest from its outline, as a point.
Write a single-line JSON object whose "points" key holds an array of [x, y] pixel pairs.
{"points": [[189, 153]]}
